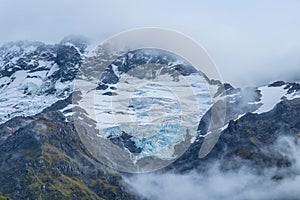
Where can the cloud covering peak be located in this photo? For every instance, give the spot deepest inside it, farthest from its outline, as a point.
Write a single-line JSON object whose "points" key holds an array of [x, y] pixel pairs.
{"points": [[252, 43]]}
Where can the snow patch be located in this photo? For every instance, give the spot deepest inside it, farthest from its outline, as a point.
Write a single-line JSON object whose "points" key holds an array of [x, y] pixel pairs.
{"points": [[270, 97]]}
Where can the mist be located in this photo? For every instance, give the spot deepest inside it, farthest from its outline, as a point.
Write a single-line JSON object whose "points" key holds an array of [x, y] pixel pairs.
{"points": [[252, 43], [230, 185]]}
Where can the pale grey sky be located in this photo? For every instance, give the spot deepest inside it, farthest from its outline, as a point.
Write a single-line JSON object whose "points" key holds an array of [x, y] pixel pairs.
{"points": [[251, 42]]}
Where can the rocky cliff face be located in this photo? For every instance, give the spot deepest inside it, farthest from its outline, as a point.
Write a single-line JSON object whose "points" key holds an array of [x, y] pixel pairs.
{"points": [[249, 140], [42, 158]]}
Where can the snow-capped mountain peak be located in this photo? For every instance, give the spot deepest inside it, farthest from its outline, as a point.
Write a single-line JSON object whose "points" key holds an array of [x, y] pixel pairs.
{"points": [[34, 75]]}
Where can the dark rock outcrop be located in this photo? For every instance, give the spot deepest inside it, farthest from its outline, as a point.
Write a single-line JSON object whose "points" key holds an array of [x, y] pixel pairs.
{"points": [[42, 157], [249, 140]]}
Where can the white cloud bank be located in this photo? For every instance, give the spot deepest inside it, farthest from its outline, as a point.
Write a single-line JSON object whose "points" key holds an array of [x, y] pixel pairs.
{"points": [[251, 42], [215, 185]]}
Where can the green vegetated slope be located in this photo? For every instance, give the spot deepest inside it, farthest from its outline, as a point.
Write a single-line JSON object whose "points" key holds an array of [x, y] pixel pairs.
{"points": [[42, 157]]}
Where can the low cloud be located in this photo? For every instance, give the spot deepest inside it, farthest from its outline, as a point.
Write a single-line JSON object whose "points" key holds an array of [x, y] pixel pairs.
{"points": [[230, 185]]}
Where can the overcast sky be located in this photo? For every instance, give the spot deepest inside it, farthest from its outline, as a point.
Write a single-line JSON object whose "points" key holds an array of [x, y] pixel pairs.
{"points": [[251, 42]]}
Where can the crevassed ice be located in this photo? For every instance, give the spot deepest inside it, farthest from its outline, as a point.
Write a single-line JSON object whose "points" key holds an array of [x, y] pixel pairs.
{"points": [[158, 113]]}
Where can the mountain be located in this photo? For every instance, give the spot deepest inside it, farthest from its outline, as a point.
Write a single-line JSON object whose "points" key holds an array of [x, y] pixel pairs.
{"points": [[249, 141], [41, 154], [42, 157], [62, 136], [34, 75]]}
